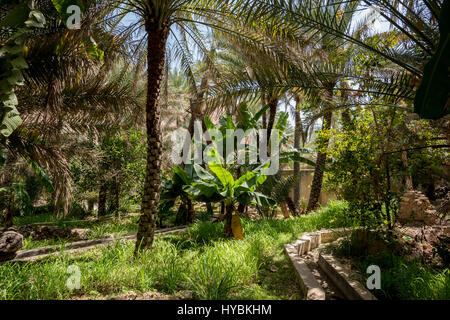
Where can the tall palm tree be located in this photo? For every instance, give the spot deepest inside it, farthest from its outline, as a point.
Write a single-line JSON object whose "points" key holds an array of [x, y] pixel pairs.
{"points": [[158, 19], [69, 95]]}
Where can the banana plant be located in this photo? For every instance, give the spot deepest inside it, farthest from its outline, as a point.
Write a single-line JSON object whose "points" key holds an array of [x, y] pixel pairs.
{"points": [[172, 190], [218, 185]]}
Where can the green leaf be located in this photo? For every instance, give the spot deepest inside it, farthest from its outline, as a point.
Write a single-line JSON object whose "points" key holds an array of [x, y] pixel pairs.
{"points": [[259, 114], [16, 17], [182, 174], [294, 156], [42, 176], [19, 63], [94, 52], [256, 198], [208, 123], [202, 173], [244, 178], [432, 97], [222, 174], [9, 122], [203, 191]]}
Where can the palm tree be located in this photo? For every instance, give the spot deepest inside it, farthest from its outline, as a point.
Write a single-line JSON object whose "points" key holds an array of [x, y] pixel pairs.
{"points": [[158, 19], [69, 96], [422, 55]]}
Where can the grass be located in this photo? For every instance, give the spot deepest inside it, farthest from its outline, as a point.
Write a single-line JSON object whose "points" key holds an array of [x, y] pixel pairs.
{"points": [[401, 278], [198, 261], [46, 217]]}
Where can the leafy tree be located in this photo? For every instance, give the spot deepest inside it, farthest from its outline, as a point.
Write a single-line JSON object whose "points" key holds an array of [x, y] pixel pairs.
{"points": [[366, 166]]}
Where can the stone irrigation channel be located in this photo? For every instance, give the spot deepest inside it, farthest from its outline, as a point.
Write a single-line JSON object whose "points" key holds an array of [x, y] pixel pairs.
{"points": [[79, 246], [321, 276]]}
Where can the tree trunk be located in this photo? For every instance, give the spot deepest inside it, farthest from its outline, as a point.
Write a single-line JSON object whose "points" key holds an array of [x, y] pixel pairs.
{"points": [[228, 219], [8, 195], [264, 115], [8, 217], [387, 198], [297, 136], [190, 211], [408, 180], [316, 187], [117, 195], [292, 206], [196, 106], [156, 48], [209, 209], [102, 193], [273, 102], [90, 205], [284, 210], [181, 213]]}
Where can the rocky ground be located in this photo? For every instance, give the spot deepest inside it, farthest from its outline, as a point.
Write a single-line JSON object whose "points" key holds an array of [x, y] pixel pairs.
{"points": [[52, 232], [419, 240]]}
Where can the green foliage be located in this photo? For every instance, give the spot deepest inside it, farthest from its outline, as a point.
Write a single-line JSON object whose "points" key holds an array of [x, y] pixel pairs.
{"points": [[363, 151], [212, 279], [22, 18], [401, 278], [222, 187], [122, 161], [432, 100], [199, 261]]}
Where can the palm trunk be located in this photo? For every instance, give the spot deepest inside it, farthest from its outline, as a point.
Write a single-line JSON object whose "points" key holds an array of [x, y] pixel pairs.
{"points": [[102, 193], [196, 105], [117, 195], [264, 115], [316, 187], [292, 206], [297, 136], [272, 113], [8, 195], [8, 217], [156, 48]]}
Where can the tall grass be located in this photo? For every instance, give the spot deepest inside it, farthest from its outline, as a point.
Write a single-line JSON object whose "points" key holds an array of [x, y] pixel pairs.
{"points": [[199, 261], [401, 277]]}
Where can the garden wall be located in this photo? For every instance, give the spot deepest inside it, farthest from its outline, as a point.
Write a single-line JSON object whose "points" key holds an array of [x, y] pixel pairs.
{"points": [[306, 176]]}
